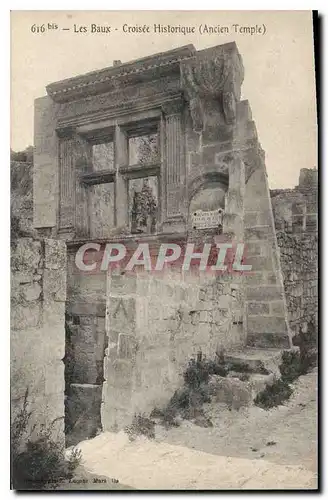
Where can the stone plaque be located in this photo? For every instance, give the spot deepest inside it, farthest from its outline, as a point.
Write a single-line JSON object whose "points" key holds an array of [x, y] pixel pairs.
{"points": [[202, 219]]}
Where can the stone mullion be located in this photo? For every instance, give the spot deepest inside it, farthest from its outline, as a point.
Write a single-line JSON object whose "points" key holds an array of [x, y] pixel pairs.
{"points": [[121, 190], [67, 181], [82, 156]]}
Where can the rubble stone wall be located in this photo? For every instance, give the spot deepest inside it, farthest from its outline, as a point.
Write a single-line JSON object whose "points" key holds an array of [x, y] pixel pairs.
{"points": [[299, 262]]}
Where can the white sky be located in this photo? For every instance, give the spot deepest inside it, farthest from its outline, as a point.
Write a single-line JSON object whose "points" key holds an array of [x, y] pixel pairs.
{"points": [[279, 69]]}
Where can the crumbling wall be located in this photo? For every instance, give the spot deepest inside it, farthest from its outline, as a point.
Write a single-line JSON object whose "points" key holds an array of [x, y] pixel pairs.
{"points": [[154, 326], [295, 217], [299, 263], [38, 294], [21, 200]]}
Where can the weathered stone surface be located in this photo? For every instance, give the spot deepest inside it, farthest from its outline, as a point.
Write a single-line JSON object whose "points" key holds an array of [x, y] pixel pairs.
{"points": [[27, 255], [31, 292], [54, 284], [37, 338], [268, 339], [25, 316], [45, 175], [266, 324], [263, 292], [210, 155], [82, 412], [55, 254], [258, 308]]}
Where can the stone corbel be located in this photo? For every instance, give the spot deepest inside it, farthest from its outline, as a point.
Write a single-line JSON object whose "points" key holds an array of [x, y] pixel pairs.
{"points": [[210, 78]]}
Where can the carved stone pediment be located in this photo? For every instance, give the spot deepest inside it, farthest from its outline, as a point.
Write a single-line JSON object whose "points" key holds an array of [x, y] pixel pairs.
{"points": [[213, 75]]}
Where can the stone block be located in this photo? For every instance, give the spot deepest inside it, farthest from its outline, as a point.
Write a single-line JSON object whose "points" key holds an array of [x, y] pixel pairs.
{"points": [[120, 372], [257, 233], [26, 256], [244, 113], [117, 396], [205, 316], [231, 391], [217, 133], [127, 346], [122, 313], [53, 313], [54, 377], [55, 254], [268, 340], [31, 292], [86, 308], [123, 284], [54, 284], [277, 308], [30, 375], [253, 249], [266, 324], [223, 302], [208, 155], [263, 293], [195, 161], [255, 278], [258, 308], [258, 382], [82, 412], [220, 315], [21, 278], [259, 263], [85, 369], [28, 316]]}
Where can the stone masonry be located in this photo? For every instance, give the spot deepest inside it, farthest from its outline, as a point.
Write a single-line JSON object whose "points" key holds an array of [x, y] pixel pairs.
{"points": [[296, 220], [38, 295], [174, 139]]}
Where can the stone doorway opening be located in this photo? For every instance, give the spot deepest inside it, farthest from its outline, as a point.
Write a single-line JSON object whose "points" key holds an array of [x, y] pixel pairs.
{"points": [[85, 344]]}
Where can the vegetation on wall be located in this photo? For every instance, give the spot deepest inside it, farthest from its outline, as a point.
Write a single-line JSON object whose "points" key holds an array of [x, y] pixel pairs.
{"points": [[37, 460]]}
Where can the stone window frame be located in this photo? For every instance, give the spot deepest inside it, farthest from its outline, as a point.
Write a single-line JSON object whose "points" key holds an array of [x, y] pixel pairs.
{"points": [[138, 171], [107, 176], [100, 136]]}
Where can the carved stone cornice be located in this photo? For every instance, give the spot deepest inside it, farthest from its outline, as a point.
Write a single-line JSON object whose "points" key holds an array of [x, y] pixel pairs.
{"points": [[116, 77], [213, 74]]}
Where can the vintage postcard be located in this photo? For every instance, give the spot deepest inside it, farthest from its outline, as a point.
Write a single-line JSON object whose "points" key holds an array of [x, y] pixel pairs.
{"points": [[164, 250]]}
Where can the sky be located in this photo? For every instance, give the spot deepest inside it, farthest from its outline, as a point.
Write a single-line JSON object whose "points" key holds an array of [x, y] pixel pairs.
{"points": [[279, 68]]}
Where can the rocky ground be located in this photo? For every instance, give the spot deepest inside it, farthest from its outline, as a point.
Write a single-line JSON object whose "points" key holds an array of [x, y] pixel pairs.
{"points": [[246, 449], [286, 434]]}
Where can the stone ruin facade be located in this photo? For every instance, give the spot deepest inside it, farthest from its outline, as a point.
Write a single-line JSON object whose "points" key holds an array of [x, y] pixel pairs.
{"points": [[132, 153]]}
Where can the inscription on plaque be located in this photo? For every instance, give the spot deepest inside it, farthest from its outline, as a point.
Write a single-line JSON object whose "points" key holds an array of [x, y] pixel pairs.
{"points": [[210, 219]]}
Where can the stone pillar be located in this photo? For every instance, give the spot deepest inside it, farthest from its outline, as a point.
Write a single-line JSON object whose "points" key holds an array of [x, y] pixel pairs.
{"points": [[119, 362], [121, 185], [67, 185], [45, 169], [174, 167], [83, 162]]}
